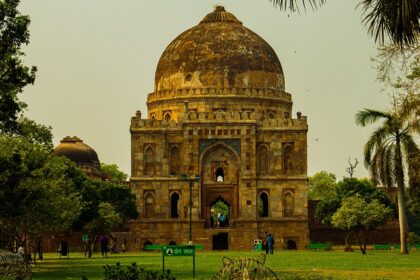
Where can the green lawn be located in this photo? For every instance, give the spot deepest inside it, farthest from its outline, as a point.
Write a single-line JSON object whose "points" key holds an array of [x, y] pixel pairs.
{"points": [[340, 265]]}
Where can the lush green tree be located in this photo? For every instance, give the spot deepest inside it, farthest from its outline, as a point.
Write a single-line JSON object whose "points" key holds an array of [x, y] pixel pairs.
{"points": [[38, 197], [34, 132], [397, 20], [113, 173], [14, 76], [358, 216], [389, 149], [321, 185], [348, 187], [107, 206]]}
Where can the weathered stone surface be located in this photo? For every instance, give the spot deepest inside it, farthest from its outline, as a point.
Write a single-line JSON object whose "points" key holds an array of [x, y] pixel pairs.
{"points": [[219, 106]]}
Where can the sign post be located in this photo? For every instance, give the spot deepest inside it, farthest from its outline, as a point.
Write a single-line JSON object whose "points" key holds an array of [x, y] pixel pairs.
{"points": [[176, 251]]}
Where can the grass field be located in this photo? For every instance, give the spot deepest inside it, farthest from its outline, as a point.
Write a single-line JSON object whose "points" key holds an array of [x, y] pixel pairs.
{"points": [[340, 265]]}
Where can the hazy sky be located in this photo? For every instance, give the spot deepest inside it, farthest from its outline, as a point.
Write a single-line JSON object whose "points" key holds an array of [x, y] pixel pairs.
{"points": [[97, 60]]}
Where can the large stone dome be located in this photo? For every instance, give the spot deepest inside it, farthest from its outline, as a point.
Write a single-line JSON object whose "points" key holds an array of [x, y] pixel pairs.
{"points": [[83, 155], [219, 53]]}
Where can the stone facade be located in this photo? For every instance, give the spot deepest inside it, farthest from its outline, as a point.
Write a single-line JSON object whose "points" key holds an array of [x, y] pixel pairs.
{"points": [[219, 111]]}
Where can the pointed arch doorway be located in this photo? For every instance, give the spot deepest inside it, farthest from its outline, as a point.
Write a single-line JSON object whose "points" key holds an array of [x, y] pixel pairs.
{"points": [[222, 213], [220, 167]]}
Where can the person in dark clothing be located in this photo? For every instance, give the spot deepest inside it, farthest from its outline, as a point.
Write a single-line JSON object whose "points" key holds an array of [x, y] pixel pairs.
{"points": [[104, 245], [270, 244], [265, 246]]}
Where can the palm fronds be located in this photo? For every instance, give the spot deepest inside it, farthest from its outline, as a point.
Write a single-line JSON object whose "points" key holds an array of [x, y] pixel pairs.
{"points": [[369, 116], [397, 19], [375, 141], [293, 5]]}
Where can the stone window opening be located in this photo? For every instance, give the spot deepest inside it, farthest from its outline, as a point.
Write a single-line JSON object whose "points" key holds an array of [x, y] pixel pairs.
{"points": [[172, 243], [188, 78], [152, 116], [288, 204], [220, 175], [149, 206], [286, 115], [271, 115], [167, 117], [174, 205], [287, 159], [263, 160], [149, 161], [175, 161], [263, 205]]}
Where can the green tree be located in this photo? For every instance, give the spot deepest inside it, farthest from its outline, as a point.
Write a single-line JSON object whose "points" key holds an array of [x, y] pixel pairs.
{"points": [[359, 217], [397, 20], [38, 197], [389, 149], [321, 185], [113, 173], [348, 187], [107, 206], [14, 76]]}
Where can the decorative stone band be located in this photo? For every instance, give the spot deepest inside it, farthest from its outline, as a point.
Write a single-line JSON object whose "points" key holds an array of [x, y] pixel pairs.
{"points": [[273, 94], [220, 117]]}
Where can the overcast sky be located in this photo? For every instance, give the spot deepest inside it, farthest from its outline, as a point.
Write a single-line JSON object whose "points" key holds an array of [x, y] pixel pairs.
{"points": [[97, 60]]}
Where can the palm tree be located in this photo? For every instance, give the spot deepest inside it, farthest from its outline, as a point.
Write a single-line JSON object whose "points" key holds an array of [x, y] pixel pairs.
{"points": [[390, 147], [397, 19]]}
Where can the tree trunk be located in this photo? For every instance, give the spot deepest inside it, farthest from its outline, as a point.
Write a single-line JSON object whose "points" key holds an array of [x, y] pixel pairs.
{"points": [[361, 244], [39, 249], [402, 216], [347, 237], [365, 239], [91, 244]]}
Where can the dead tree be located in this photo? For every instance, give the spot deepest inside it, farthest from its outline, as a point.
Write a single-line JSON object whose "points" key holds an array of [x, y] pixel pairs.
{"points": [[352, 167]]}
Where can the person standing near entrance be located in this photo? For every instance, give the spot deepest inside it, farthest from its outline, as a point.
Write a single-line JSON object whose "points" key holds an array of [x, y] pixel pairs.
{"points": [[270, 244], [212, 218]]}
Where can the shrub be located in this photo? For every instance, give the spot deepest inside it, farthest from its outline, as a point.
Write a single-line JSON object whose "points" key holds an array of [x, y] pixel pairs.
{"points": [[296, 276], [12, 266], [414, 239], [133, 272]]}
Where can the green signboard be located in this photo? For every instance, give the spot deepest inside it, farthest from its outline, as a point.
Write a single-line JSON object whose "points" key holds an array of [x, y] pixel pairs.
{"points": [[176, 251]]}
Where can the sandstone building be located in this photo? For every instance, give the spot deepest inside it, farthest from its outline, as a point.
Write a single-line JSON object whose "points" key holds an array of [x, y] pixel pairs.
{"points": [[220, 111]]}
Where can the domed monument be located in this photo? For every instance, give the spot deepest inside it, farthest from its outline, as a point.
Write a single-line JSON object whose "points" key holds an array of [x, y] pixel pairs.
{"points": [[219, 121], [83, 155]]}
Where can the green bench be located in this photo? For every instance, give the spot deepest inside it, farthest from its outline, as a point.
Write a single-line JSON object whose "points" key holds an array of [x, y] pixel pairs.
{"points": [[319, 246], [382, 247], [389, 247]]}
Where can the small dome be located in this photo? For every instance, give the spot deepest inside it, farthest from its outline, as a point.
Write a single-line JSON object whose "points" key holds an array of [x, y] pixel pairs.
{"points": [[83, 155], [219, 52]]}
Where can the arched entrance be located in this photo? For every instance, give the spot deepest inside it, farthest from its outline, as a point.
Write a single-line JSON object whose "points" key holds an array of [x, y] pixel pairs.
{"points": [[219, 171], [220, 241], [221, 213], [291, 245]]}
